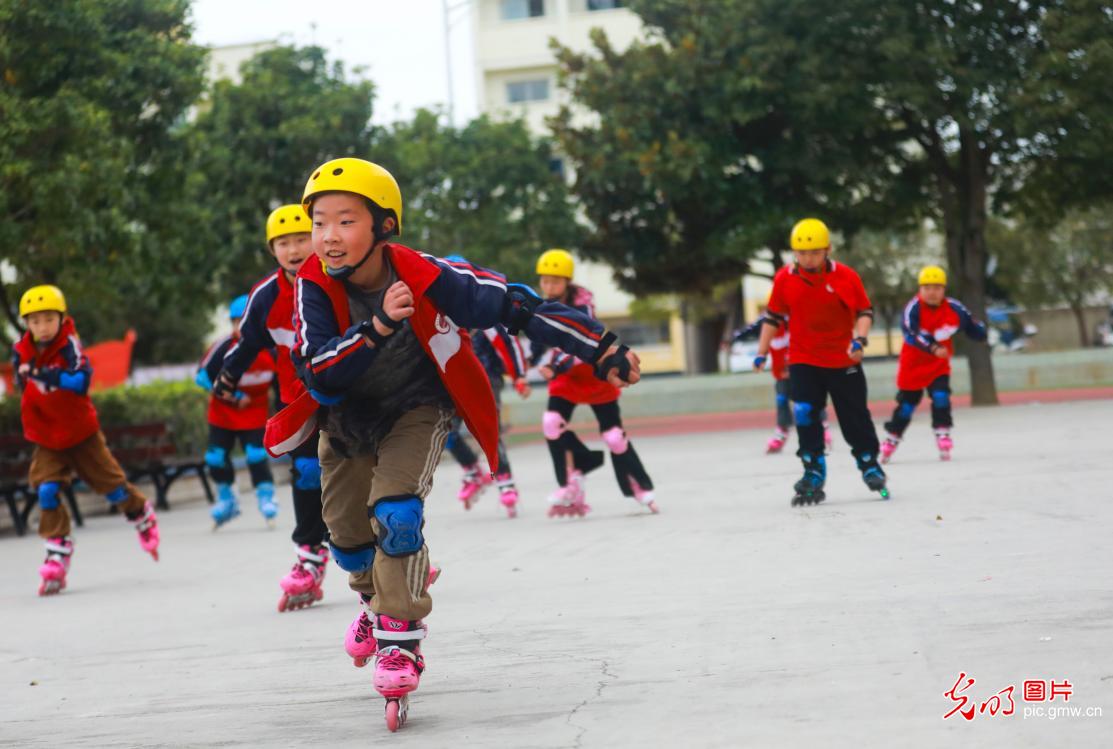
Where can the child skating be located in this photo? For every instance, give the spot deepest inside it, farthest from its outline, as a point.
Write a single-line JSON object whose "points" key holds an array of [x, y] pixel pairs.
{"points": [[60, 420], [383, 349], [268, 323], [243, 418], [831, 317], [931, 320]]}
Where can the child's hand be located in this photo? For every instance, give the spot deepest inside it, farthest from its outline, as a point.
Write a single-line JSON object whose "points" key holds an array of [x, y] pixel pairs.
{"points": [[546, 372], [398, 304], [940, 351], [243, 401], [24, 370], [632, 376], [522, 387]]}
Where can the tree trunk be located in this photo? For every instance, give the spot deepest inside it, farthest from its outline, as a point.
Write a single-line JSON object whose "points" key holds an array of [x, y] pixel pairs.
{"points": [[701, 341], [1080, 318], [963, 202], [889, 332]]}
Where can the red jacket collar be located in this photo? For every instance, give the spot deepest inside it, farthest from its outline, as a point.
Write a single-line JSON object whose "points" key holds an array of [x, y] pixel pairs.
{"points": [[29, 352]]}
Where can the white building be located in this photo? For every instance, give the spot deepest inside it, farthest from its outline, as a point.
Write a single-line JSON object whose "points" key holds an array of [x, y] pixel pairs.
{"points": [[225, 61]]}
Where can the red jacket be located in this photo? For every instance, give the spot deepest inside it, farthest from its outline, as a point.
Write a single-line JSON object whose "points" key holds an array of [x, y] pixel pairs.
{"points": [[443, 341], [55, 414], [823, 308], [925, 326], [268, 323]]}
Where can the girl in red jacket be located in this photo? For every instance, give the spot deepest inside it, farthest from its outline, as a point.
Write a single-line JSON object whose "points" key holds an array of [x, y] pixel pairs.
{"points": [[242, 418], [59, 418], [930, 322], [572, 383]]}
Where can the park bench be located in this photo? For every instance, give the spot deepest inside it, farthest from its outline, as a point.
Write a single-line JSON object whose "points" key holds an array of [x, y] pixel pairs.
{"points": [[149, 451], [15, 460]]}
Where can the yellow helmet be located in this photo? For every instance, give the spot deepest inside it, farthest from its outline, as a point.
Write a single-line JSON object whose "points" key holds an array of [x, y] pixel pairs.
{"points": [[810, 234], [933, 274], [556, 262], [42, 299], [287, 219], [356, 176]]}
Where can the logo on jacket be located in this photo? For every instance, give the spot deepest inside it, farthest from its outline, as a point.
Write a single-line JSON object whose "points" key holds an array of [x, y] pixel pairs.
{"points": [[446, 343]]}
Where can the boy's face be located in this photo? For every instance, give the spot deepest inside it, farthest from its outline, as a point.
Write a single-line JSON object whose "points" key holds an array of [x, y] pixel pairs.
{"points": [[343, 229], [44, 326], [810, 259], [291, 250], [933, 293], [553, 287]]}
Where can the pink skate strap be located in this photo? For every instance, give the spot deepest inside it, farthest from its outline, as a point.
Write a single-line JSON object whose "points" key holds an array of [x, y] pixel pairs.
{"points": [[397, 630], [305, 553]]}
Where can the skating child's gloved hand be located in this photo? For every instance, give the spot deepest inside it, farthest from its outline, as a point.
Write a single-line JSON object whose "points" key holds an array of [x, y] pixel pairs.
{"points": [[546, 372], [522, 387], [225, 387], [759, 362], [857, 349], [398, 304], [940, 350], [618, 365]]}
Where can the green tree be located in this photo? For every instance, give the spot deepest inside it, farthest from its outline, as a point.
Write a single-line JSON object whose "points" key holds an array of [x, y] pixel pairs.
{"points": [[690, 158], [256, 141], [1070, 263], [487, 191], [90, 161]]}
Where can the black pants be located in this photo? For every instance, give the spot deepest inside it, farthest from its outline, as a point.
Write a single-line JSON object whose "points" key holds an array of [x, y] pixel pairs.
{"points": [[309, 526], [219, 455], [847, 389], [783, 395], [908, 400], [627, 464]]}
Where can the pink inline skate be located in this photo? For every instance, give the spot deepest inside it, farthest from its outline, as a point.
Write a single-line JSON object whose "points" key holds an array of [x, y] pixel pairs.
{"points": [[777, 442], [645, 497], [53, 570], [474, 484], [359, 642], [944, 443], [568, 500], [888, 447], [147, 527], [398, 664], [508, 493], [302, 587]]}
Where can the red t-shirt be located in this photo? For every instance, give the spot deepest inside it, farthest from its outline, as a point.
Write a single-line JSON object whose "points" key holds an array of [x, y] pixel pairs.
{"points": [[823, 308]]}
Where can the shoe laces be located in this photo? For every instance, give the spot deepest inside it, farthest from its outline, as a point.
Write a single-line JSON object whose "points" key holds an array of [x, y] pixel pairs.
{"points": [[393, 658]]}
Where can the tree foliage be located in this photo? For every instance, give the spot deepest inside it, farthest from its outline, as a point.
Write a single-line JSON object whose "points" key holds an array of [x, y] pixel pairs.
{"points": [[487, 191], [91, 159]]}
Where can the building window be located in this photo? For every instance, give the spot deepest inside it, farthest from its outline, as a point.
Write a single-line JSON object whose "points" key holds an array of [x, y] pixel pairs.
{"points": [[604, 4], [556, 166], [520, 92], [514, 9]]}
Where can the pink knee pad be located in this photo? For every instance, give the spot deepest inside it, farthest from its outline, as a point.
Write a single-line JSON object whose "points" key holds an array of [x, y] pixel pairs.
{"points": [[615, 437], [552, 425]]}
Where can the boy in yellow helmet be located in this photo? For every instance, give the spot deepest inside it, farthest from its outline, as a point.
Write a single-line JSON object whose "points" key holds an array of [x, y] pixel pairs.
{"points": [[831, 317], [59, 419], [381, 344], [929, 323]]}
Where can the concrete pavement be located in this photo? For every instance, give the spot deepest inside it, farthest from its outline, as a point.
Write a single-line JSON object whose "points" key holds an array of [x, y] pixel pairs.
{"points": [[728, 620]]}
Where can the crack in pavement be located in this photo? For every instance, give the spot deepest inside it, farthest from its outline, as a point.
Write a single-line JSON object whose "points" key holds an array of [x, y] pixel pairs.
{"points": [[599, 687]]}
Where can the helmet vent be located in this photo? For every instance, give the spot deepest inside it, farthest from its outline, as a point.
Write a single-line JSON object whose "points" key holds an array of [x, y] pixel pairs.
{"points": [[338, 171]]}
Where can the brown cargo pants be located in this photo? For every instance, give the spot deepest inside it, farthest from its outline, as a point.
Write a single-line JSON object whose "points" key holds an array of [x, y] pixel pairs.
{"points": [[94, 464], [350, 487]]}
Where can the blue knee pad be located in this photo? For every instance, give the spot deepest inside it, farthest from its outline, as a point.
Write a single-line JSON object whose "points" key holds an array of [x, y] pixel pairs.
{"points": [[941, 399], [451, 441], [48, 495], [215, 457], [803, 413], [308, 473], [782, 399], [354, 560], [255, 454], [906, 409], [119, 494], [400, 521]]}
